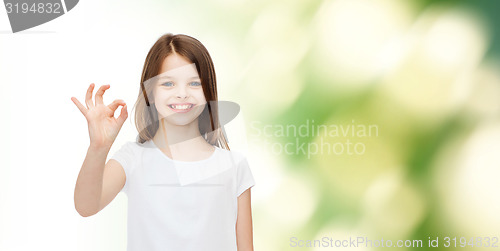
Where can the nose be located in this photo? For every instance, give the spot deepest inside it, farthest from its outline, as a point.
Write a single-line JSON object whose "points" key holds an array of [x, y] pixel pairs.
{"points": [[181, 92]]}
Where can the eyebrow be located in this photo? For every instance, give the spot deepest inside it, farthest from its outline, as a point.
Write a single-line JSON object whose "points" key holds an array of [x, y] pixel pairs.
{"points": [[163, 77]]}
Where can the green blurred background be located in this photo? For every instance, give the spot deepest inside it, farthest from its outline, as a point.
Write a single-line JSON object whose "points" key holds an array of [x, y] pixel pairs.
{"points": [[424, 74]]}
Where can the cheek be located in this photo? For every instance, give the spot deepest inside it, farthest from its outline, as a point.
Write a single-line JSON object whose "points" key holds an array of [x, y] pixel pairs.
{"points": [[200, 96], [161, 96]]}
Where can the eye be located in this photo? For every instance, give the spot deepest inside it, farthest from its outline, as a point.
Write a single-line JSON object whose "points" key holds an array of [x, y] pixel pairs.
{"points": [[195, 83], [169, 84]]}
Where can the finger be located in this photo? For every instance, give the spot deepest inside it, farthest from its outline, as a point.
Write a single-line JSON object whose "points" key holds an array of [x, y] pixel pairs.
{"points": [[88, 97], [113, 106], [99, 93], [123, 115], [80, 106]]}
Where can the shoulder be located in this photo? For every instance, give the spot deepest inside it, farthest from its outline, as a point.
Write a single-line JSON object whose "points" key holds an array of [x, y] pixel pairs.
{"points": [[235, 156], [136, 144], [132, 146]]}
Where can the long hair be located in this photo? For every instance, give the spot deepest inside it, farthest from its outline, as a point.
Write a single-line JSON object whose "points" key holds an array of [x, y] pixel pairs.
{"points": [[146, 114]]}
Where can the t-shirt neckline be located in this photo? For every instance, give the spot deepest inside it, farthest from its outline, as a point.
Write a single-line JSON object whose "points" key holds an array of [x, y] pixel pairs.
{"points": [[152, 143]]}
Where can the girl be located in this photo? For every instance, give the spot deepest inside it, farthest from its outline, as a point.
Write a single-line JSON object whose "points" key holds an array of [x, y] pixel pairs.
{"points": [[186, 190]]}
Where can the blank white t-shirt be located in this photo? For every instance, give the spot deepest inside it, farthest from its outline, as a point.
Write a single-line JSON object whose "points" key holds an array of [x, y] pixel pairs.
{"points": [[182, 206]]}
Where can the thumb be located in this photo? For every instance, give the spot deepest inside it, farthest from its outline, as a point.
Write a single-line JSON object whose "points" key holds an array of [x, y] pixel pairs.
{"points": [[123, 115]]}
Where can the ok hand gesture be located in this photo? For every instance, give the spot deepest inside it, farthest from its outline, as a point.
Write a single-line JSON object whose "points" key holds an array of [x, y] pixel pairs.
{"points": [[103, 126]]}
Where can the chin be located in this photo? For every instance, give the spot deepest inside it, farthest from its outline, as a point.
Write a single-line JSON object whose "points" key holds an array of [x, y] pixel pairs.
{"points": [[179, 121]]}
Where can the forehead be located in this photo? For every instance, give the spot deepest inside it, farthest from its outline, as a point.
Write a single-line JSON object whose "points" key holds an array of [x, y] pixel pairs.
{"points": [[177, 64], [183, 71]]}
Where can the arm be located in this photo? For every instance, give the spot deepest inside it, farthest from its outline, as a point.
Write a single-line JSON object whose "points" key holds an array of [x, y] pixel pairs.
{"points": [[97, 184], [90, 194], [244, 235], [88, 187]]}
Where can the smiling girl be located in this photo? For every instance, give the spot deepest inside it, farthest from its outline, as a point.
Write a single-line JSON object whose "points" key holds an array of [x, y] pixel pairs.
{"points": [[186, 190]]}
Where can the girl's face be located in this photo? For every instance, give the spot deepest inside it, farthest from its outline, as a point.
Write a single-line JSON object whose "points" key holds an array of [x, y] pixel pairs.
{"points": [[178, 94]]}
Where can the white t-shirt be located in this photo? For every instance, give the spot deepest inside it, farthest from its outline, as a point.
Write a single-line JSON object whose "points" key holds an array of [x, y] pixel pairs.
{"points": [[182, 206]]}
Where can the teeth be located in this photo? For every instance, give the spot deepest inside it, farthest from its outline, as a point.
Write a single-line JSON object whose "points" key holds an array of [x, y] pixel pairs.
{"points": [[180, 107]]}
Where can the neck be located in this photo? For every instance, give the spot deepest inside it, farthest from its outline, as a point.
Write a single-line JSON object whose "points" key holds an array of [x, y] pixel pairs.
{"points": [[178, 136]]}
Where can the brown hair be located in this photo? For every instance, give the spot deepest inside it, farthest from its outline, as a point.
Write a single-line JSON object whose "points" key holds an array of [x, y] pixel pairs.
{"points": [[146, 115]]}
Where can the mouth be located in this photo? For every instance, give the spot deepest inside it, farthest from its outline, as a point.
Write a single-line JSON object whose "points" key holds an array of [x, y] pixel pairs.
{"points": [[185, 107]]}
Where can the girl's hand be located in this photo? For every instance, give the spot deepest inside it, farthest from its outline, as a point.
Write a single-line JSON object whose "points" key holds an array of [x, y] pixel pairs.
{"points": [[103, 126]]}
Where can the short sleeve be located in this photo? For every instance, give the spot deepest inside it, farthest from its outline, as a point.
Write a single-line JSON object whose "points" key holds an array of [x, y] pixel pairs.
{"points": [[125, 156], [245, 178]]}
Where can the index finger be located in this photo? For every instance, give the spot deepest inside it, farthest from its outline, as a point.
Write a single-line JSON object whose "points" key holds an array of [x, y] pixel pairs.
{"points": [[113, 106]]}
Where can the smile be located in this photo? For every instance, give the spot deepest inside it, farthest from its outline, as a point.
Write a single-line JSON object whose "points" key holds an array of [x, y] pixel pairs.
{"points": [[181, 107]]}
